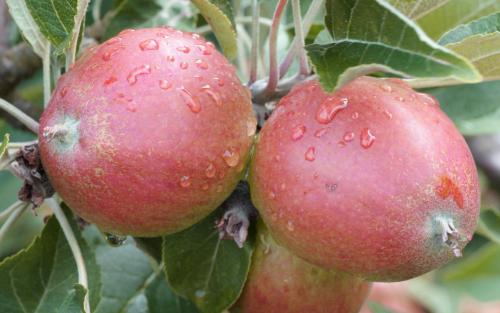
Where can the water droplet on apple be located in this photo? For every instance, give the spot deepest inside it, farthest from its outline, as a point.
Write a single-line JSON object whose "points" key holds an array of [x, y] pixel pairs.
{"points": [[219, 81], [165, 84], [185, 181], [113, 40], [367, 138], [170, 58], [251, 126], [210, 171], [190, 101], [298, 132], [126, 31], [329, 108], [388, 114], [183, 49], [310, 154], [184, 65], [231, 157], [110, 80], [149, 44], [195, 36], [109, 54], [272, 195], [290, 226], [355, 115], [141, 70], [215, 97], [400, 99], [386, 87], [201, 64], [320, 132], [348, 136]]}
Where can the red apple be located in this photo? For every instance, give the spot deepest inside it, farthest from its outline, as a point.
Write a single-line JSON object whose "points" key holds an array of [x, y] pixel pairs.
{"points": [[374, 179], [280, 282], [148, 132]]}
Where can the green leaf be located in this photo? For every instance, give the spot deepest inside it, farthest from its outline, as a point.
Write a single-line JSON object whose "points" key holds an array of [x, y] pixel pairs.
{"points": [[489, 225], [160, 296], [439, 16], [475, 108], [483, 51], [3, 145], [219, 14], [29, 28], [55, 19], [150, 246], [73, 303], [209, 271], [477, 276], [485, 25], [124, 272], [42, 278], [370, 36], [130, 14], [377, 307]]}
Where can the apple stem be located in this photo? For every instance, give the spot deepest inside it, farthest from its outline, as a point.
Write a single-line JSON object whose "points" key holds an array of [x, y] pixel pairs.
{"points": [[58, 131], [274, 74], [299, 38], [450, 236]]}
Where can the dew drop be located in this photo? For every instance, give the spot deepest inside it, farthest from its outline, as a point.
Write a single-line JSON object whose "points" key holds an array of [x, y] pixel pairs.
{"points": [[272, 195], [204, 49], [201, 64], [341, 144], [195, 36], [355, 115], [184, 65], [149, 44], [126, 31], [200, 293], [329, 108], [251, 126], [64, 91], [115, 240], [348, 136], [231, 157], [298, 132], [132, 107], [141, 70], [165, 84], [183, 49], [219, 81], [215, 97], [388, 114], [320, 132], [110, 80], [367, 138], [109, 54], [290, 226], [190, 101], [113, 40], [170, 58], [427, 99], [206, 86], [185, 181], [386, 87], [210, 45], [400, 99], [210, 171], [310, 154], [162, 35]]}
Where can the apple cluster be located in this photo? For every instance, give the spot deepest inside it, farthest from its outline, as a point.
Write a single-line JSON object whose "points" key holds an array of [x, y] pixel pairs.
{"points": [[152, 130]]}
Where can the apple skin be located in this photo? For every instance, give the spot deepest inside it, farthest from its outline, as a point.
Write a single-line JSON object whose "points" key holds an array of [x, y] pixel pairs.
{"points": [[280, 282], [361, 180], [159, 130]]}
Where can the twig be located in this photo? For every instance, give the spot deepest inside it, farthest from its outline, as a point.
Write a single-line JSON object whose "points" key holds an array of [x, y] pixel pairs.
{"points": [[19, 115], [73, 244], [255, 41], [46, 76], [8, 211], [311, 13], [273, 44], [13, 217], [299, 33]]}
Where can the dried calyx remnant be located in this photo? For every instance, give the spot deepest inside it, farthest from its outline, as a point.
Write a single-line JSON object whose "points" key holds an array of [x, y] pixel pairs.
{"points": [[239, 212], [27, 166], [450, 236]]}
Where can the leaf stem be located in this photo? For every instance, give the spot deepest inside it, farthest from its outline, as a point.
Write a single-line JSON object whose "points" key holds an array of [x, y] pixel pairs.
{"points": [[13, 217], [299, 33], [309, 17], [46, 76], [19, 115], [418, 83], [81, 10], [8, 211], [73, 244], [255, 41], [274, 73]]}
